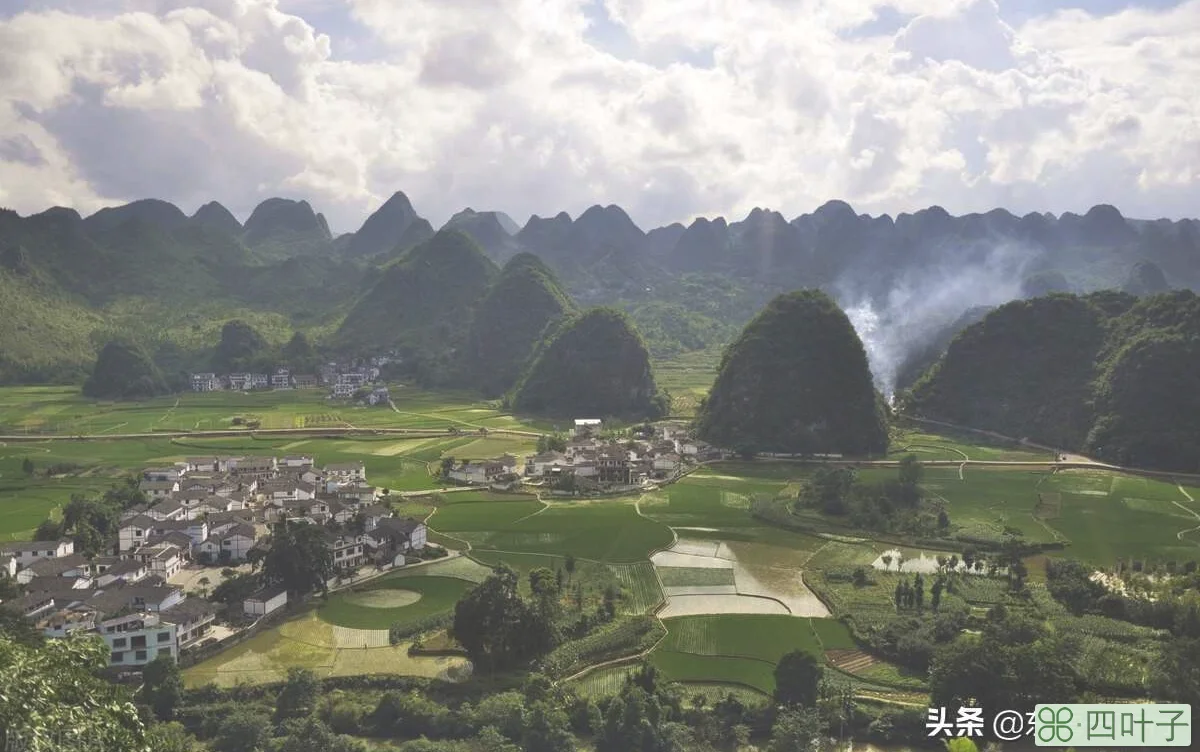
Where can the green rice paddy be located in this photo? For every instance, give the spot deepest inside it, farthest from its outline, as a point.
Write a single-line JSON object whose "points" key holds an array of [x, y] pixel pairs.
{"points": [[741, 649], [437, 595]]}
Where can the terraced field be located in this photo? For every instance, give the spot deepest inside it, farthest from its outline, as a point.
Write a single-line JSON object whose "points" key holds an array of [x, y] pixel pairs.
{"points": [[741, 650]]}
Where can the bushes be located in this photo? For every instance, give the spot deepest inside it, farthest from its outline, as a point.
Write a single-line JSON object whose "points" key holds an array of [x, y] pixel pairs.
{"points": [[621, 637], [404, 630]]}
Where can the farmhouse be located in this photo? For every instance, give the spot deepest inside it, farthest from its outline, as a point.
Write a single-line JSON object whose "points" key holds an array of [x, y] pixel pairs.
{"points": [[476, 473], [164, 474], [229, 543], [138, 622], [205, 382], [587, 427], [281, 379], [347, 549], [126, 571], [158, 489], [306, 381], [164, 559], [74, 568], [265, 601], [391, 538], [347, 471], [27, 552]]}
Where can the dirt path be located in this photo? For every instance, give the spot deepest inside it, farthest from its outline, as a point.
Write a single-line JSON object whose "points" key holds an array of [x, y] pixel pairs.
{"points": [[1189, 510]]}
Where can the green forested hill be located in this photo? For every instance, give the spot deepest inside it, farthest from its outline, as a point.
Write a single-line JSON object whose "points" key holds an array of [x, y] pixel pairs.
{"points": [[44, 338], [594, 363], [510, 321], [1025, 370], [1100, 373], [796, 380], [422, 304]]}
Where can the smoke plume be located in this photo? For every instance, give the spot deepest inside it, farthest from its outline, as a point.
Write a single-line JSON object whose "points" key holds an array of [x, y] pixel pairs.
{"points": [[922, 301]]}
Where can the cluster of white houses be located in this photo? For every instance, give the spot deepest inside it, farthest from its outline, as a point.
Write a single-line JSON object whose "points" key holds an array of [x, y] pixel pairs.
{"points": [[588, 457], [211, 511], [342, 382]]}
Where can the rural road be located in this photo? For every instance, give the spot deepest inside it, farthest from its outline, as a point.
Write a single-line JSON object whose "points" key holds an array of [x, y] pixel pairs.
{"points": [[1073, 461], [225, 434]]}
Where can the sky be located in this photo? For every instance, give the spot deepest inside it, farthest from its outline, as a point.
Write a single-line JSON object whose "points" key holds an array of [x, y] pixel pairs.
{"points": [[671, 109]]}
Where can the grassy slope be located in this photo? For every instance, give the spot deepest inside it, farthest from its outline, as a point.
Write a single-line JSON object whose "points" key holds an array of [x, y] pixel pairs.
{"points": [[438, 596]]}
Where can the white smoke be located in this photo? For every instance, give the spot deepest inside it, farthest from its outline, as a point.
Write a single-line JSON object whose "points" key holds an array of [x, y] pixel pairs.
{"points": [[923, 301]]}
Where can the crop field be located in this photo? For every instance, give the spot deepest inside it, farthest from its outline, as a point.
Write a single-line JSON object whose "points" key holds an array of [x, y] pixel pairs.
{"points": [[1107, 517], [952, 445], [714, 576], [687, 377], [610, 531], [462, 513], [695, 576], [741, 650], [312, 643], [705, 501], [63, 410], [640, 585], [603, 682], [435, 595]]}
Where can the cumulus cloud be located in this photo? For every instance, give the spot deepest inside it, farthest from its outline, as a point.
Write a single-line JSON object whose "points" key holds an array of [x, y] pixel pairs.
{"points": [[710, 106]]}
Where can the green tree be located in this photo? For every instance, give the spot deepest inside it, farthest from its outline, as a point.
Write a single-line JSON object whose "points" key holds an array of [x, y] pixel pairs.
{"points": [[298, 697], [911, 470], [9, 588], [1177, 672], [48, 530], [314, 736], [243, 731], [547, 730], [797, 679], [172, 737], [241, 348], [496, 627], [299, 354], [51, 697], [124, 371], [236, 589], [860, 577], [298, 559], [27, 466], [1014, 663], [543, 584], [796, 731], [162, 686]]}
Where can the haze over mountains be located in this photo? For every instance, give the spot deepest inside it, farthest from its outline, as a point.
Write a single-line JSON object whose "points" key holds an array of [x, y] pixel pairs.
{"points": [[902, 280]]}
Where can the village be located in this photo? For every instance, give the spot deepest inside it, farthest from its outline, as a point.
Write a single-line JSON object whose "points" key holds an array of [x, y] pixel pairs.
{"points": [[357, 381], [590, 461], [207, 519]]}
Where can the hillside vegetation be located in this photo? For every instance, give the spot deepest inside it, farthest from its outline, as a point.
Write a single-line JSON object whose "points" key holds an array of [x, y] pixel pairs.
{"points": [[510, 321], [593, 363], [1103, 373], [422, 305], [796, 380], [124, 371]]}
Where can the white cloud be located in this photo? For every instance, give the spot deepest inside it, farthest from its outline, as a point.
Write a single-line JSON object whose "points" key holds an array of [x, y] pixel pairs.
{"points": [[508, 104]]}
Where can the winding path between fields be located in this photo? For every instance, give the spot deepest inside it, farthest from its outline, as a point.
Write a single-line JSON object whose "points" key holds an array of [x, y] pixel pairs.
{"points": [[1189, 510]]}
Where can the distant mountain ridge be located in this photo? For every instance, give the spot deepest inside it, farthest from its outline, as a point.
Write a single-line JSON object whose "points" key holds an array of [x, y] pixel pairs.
{"points": [[690, 285]]}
